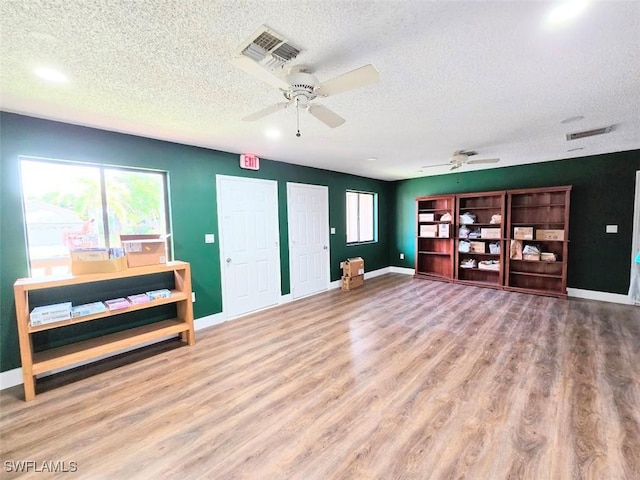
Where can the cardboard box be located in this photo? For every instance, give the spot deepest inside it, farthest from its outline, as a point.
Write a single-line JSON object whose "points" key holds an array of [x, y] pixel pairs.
{"points": [[88, 309], [426, 217], [443, 230], [491, 265], [491, 233], [548, 257], [117, 303], [477, 247], [349, 283], [90, 254], [523, 233], [145, 250], [80, 267], [549, 234], [429, 231], [352, 267], [531, 256]]}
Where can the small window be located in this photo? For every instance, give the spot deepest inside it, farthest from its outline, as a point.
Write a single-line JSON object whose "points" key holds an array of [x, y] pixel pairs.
{"points": [[361, 217], [72, 205]]}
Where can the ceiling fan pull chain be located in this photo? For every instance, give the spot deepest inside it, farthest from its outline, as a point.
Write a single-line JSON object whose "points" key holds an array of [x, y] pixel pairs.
{"points": [[298, 117]]}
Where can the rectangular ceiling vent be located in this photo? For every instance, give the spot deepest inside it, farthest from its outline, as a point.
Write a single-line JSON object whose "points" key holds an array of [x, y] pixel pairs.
{"points": [[589, 133], [268, 48]]}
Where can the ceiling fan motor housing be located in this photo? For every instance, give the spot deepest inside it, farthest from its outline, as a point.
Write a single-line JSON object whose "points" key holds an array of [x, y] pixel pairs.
{"points": [[301, 88]]}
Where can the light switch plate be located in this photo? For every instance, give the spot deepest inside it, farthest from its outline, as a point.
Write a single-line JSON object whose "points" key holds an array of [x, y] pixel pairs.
{"points": [[209, 238], [333, 230], [612, 228]]}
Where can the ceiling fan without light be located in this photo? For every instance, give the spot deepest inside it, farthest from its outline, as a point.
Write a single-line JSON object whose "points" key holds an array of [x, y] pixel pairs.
{"points": [[266, 57], [461, 157]]}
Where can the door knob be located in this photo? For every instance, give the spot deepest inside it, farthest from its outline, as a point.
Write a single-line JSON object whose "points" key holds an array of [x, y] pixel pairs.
{"points": [[325, 247], [228, 260]]}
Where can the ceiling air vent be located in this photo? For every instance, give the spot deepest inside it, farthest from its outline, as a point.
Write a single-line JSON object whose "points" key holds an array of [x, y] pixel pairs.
{"points": [[589, 133], [268, 48]]}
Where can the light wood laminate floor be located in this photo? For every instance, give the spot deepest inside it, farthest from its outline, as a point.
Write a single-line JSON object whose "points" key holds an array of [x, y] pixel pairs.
{"points": [[402, 378]]}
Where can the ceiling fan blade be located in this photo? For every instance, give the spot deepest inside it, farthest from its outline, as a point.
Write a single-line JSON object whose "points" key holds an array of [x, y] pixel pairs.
{"points": [[457, 165], [254, 69], [484, 160], [266, 111], [360, 77], [326, 116], [437, 165]]}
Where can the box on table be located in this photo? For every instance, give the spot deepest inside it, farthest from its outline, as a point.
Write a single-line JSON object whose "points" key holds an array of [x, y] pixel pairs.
{"points": [[491, 233], [477, 247], [88, 309], [443, 230], [549, 234], [429, 231], [89, 254], [142, 250], [426, 217], [349, 283], [50, 313], [531, 256], [82, 267], [352, 267], [523, 233]]}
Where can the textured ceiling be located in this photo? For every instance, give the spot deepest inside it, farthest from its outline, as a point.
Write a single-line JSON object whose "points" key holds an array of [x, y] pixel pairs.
{"points": [[488, 76]]}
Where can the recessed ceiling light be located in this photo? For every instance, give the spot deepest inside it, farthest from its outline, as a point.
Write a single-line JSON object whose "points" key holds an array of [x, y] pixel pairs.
{"points": [[572, 119], [372, 159], [50, 74], [566, 11], [575, 149], [272, 133]]}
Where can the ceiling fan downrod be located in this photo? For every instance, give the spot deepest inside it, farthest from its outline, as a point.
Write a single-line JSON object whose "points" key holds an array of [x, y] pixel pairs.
{"points": [[298, 117]]}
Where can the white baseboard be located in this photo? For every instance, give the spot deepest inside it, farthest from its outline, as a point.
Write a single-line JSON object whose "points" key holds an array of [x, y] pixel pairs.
{"points": [[600, 296], [405, 270], [11, 378], [209, 321], [285, 299]]}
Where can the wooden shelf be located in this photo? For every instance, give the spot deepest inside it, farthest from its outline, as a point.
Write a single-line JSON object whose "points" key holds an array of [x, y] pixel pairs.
{"points": [[39, 362], [435, 254], [88, 349], [539, 208], [444, 254]]}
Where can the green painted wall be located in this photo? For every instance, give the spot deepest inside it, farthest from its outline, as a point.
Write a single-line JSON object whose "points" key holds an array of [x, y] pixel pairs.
{"points": [[192, 172], [603, 193]]}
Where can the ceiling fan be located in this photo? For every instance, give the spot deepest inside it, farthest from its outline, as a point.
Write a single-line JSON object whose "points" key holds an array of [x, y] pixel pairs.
{"points": [[300, 87], [461, 157], [265, 57]]}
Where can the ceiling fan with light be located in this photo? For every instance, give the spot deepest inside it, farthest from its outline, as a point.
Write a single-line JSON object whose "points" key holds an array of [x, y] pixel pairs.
{"points": [[266, 56], [461, 157]]}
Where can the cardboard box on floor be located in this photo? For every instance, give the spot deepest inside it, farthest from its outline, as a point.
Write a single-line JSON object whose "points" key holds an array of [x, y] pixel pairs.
{"points": [[352, 267], [142, 250], [349, 283]]}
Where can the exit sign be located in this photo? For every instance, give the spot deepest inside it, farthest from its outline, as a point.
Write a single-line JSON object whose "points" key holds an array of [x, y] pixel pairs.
{"points": [[249, 161]]}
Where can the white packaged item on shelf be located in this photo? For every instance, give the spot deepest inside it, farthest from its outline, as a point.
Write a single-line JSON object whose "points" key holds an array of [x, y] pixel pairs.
{"points": [[467, 218], [443, 230], [492, 265], [446, 217], [464, 246], [468, 263], [156, 294], [88, 309], [50, 314], [494, 248]]}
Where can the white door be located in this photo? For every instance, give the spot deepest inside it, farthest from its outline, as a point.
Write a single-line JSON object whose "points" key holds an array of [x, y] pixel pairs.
{"points": [[249, 251], [308, 218]]}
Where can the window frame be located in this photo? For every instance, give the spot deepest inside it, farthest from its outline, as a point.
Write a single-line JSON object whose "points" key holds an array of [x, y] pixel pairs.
{"points": [[374, 216], [102, 200]]}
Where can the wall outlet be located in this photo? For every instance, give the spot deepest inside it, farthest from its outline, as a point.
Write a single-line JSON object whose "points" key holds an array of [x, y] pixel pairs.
{"points": [[333, 230], [209, 238], [612, 229], [402, 256], [193, 297]]}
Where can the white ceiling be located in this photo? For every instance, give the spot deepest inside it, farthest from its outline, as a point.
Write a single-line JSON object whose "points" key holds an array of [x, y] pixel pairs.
{"points": [[490, 76]]}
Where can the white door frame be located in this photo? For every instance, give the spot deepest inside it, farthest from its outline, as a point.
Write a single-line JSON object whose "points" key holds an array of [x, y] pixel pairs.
{"points": [[635, 240], [327, 239], [223, 284]]}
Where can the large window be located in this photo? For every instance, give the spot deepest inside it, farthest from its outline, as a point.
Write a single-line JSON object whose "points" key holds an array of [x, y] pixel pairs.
{"points": [[71, 205], [361, 217]]}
